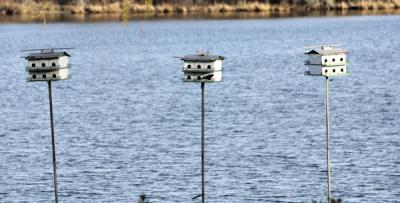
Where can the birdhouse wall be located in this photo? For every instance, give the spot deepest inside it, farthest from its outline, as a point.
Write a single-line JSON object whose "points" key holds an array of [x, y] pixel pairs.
{"points": [[63, 61], [315, 70], [333, 60], [314, 59], [58, 62], [59, 74], [327, 70], [42, 63], [218, 65], [217, 76], [196, 77], [333, 71], [203, 66]]}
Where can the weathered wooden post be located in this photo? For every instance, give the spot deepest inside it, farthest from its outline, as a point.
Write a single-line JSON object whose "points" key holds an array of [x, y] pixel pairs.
{"points": [[49, 65], [202, 68], [327, 61]]}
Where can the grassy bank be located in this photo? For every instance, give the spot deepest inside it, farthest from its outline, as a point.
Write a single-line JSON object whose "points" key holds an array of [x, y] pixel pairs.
{"points": [[125, 7]]}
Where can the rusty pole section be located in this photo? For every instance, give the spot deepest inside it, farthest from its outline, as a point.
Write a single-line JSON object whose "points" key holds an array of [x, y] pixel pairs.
{"points": [[328, 167], [53, 143], [202, 145]]}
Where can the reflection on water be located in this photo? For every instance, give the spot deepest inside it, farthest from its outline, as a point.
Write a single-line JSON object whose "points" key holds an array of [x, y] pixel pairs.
{"points": [[127, 125], [228, 15]]}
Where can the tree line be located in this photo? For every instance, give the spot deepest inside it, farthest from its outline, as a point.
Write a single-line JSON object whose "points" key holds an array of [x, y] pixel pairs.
{"points": [[231, 2]]}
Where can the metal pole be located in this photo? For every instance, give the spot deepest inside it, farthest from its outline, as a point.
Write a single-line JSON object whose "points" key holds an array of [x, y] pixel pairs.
{"points": [[202, 144], [53, 144], [328, 169]]}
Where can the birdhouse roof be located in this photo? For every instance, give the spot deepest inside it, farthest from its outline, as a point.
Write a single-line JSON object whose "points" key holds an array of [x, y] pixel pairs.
{"points": [[46, 55], [328, 50], [201, 57]]}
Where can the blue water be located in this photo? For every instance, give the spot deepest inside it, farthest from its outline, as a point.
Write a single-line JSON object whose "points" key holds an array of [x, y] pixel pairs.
{"points": [[126, 124]]}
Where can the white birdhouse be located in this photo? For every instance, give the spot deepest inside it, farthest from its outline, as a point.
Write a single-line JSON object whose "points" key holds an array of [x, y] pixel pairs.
{"points": [[202, 67], [47, 65], [326, 61]]}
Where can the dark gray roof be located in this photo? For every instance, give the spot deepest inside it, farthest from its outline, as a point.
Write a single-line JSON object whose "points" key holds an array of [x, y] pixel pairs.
{"points": [[202, 57], [327, 50], [46, 55]]}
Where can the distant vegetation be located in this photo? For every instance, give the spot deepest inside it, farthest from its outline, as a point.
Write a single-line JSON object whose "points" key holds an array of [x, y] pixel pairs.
{"points": [[124, 7]]}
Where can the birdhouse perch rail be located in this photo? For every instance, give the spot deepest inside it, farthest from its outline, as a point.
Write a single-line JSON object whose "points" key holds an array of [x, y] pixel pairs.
{"points": [[46, 49], [321, 46]]}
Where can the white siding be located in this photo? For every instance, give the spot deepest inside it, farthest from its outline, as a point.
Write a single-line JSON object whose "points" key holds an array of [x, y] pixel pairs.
{"points": [[334, 71], [218, 65], [199, 69], [206, 67], [63, 61], [60, 62], [194, 77], [217, 76], [334, 60], [61, 74], [64, 73], [39, 63]]}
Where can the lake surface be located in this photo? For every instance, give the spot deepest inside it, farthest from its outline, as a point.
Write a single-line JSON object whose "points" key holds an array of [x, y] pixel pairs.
{"points": [[126, 124]]}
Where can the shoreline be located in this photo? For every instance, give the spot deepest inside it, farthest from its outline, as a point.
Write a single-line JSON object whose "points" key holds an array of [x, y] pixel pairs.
{"points": [[107, 17], [50, 12], [9, 7], [93, 18]]}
